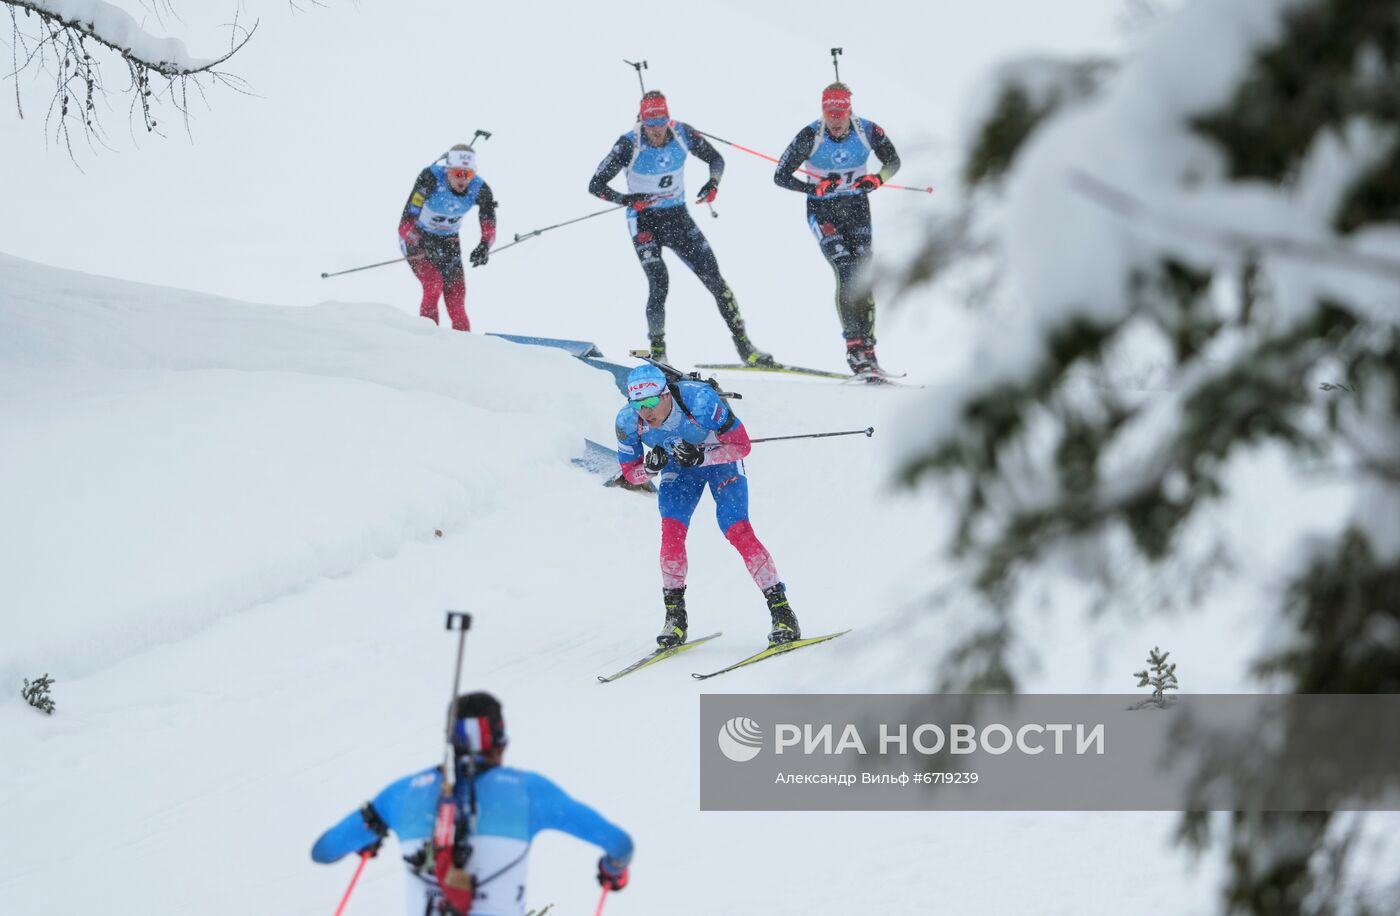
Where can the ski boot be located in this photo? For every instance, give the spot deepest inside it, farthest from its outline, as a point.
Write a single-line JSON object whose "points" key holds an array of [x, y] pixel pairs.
{"points": [[658, 349], [673, 630], [751, 355], [785, 627], [860, 356]]}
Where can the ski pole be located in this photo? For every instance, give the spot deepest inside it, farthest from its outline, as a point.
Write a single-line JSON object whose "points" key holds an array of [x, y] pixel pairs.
{"points": [[601, 900], [867, 433], [368, 266], [364, 857], [754, 152], [525, 236]]}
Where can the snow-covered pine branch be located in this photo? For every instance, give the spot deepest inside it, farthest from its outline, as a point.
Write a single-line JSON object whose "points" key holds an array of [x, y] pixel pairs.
{"points": [[66, 38], [1221, 210]]}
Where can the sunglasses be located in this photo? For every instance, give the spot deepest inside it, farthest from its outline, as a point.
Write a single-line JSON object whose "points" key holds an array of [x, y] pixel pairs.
{"points": [[648, 403], [459, 173]]}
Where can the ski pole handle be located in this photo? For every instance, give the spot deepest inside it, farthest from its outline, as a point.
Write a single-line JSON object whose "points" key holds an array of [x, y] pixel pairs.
{"points": [[867, 433]]}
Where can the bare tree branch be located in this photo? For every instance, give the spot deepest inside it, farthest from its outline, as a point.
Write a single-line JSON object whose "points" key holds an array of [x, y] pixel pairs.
{"points": [[68, 45]]}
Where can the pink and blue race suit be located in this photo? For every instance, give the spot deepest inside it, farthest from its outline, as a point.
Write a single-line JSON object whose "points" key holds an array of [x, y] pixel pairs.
{"points": [[701, 417]]}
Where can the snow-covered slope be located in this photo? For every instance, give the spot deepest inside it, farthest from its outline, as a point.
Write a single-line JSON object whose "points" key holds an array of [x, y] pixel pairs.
{"points": [[218, 537], [185, 457]]}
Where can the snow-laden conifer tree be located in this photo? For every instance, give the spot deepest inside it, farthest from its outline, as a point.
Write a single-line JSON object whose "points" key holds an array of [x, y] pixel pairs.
{"points": [[1192, 263]]}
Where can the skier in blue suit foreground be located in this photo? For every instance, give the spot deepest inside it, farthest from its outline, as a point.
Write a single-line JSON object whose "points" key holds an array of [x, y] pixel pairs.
{"points": [[684, 434], [512, 806]]}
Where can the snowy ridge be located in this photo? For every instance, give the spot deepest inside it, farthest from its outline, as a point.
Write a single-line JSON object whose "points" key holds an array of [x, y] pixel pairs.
{"points": [[186, 457]]}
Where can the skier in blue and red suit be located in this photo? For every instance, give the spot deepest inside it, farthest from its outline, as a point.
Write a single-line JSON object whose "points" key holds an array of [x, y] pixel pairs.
{"points": [[653, 154], [838, 147], [684, 433], [441, 197]]}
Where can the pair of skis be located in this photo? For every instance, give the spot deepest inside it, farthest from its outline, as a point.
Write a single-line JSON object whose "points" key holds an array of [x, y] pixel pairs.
{"points": [[672, 651], [878, 377]]}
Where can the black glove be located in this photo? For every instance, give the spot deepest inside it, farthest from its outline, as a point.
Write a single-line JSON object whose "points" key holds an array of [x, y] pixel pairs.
{"points": [[376, 824], [481, 254], [708, 190], [656, 459], [611, 875], [688, 455], [637, 201]]}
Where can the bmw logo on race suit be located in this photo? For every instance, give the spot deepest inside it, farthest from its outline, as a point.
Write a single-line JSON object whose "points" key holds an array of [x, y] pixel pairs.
{"points": [[658, 170], [846, 157]]}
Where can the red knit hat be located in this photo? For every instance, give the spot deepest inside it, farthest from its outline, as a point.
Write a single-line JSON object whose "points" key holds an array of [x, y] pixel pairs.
{"points": [[653, 112], [836, 101]]}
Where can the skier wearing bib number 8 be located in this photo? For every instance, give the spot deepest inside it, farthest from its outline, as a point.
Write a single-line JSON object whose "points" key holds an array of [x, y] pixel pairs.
{"points": [[441, 197], [653, 155], [837, 148]]}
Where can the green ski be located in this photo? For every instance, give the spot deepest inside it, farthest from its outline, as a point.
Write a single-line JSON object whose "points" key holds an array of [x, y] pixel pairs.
{"points": [[872, 378], [657, 656], [770, 652], [776, 367]]}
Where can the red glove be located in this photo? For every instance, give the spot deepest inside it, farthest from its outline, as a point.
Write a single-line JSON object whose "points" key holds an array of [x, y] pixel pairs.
{"points": [[611, 875], [708, 192], [827, 185], [637, 201], [409, 237], [868, 183]]}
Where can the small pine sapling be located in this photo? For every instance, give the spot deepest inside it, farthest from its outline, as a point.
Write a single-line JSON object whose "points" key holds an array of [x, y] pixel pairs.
{"points": [[1160, 676], [36, 694]]}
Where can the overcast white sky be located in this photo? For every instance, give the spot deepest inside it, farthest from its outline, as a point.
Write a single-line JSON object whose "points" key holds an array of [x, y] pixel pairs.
{"points": [[309, 173]]}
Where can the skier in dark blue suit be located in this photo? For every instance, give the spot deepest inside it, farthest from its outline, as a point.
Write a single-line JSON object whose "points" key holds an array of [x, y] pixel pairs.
{"points": [[838, 148], [685, 434], [512, 806], [653, 154]]}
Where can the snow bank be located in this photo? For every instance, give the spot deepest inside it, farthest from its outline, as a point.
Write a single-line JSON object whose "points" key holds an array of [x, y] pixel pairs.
{"points": [[185, 457]]}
